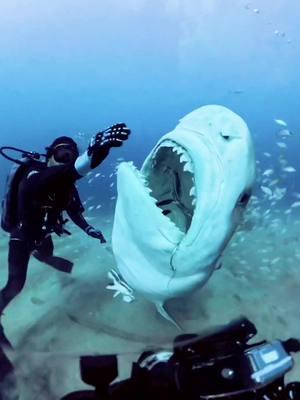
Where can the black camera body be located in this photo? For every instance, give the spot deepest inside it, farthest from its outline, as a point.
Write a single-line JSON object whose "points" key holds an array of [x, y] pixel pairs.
{"points": [[222, 365]]}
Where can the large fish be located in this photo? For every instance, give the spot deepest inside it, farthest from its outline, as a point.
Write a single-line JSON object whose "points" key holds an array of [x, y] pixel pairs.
{"points": [[175, 216]]}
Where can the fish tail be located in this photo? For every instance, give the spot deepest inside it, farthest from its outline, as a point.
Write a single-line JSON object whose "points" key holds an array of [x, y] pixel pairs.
{"points": [[162, 311]]}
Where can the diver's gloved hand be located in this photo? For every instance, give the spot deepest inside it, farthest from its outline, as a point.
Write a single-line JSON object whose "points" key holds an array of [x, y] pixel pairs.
{"points": [[103, 141], [95, 233], [99, 147]]}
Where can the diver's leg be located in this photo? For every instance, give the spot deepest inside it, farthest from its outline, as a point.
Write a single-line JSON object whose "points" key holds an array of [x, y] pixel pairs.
{"points": [[18, 258], [44, 253]]}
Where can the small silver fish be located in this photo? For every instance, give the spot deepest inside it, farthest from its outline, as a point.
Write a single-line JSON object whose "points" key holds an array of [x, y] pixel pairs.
{"points": [[280, 122], [289, 169], [275, 260], [266, 190], [284, 133], [268, 172], [281, 145]]}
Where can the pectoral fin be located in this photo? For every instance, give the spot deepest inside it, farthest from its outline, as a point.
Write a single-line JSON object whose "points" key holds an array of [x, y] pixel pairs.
{"points": [[162, 311]]}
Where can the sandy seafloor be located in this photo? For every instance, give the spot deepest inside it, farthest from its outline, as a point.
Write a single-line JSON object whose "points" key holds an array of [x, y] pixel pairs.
{"points": [[59, 316]]}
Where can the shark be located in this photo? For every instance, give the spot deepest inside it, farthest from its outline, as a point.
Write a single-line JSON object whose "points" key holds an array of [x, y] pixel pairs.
{"points": [[175, 215]]}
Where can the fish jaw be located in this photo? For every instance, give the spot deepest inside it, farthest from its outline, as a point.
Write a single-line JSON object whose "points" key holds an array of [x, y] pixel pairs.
{"points": [[143, 240], [222, 170], [207, 183]]}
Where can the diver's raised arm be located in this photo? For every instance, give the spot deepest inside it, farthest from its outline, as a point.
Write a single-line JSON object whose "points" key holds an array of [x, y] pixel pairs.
{"points": [[99, 147]]}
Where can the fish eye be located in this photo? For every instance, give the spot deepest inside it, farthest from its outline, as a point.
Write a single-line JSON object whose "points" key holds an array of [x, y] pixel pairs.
{"points": [[244, 199], [226, 137]]}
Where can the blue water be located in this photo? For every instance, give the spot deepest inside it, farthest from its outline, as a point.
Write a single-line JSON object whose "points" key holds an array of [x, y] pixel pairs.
{"points": [[71, 67]]}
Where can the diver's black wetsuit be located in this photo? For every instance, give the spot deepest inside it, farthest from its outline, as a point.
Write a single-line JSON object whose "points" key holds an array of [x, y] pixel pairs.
{"points": [[43, 195]]}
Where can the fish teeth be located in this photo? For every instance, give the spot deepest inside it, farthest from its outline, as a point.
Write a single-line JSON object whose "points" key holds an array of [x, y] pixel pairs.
{"points": [[148, 190], [193, 191], [168, 143], [177, 149], [144, 181], [188, 167], [194, 201], [140, 176], [184, 159]]}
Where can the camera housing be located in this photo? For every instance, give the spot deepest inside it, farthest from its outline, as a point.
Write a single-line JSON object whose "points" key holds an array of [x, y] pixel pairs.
{"points": [[221, 365]]}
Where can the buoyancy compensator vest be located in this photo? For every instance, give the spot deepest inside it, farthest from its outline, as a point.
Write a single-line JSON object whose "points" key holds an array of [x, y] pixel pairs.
{"points": [[9, 204]]}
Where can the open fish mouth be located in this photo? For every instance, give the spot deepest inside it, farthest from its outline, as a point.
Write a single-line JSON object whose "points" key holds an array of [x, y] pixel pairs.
{"points": [[169, 175]]}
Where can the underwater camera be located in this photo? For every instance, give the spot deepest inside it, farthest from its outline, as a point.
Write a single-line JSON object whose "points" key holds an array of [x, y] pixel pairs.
{"points": [[222, 365]]}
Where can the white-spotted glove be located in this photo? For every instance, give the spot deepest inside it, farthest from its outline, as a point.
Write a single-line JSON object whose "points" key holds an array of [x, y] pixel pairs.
{"points": [[99, 147]]}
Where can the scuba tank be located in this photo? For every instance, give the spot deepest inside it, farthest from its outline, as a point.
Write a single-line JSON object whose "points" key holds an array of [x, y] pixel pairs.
{"points": [[9, 204]]}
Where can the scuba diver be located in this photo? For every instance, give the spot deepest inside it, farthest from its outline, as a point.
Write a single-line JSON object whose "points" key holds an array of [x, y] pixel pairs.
{"points": [[37, 195]]}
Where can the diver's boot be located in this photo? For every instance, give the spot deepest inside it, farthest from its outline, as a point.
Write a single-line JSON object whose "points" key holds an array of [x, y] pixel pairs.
{"points": [[59, 263]]}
